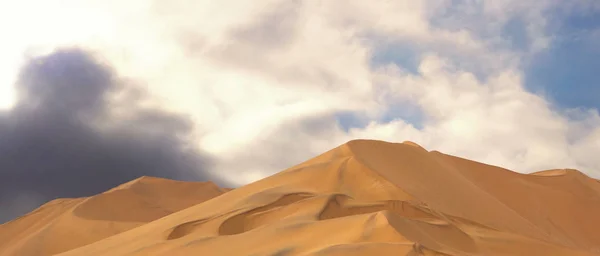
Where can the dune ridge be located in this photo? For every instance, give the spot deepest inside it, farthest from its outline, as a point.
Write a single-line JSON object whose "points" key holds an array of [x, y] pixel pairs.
{"points": [[64, 224], [377, 198]]}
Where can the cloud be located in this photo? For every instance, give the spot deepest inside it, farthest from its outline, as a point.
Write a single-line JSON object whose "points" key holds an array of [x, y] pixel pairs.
{"points": [[464, 78], [266, 84], [288, 143], [468, 89], [65, 139], [518, 129]]}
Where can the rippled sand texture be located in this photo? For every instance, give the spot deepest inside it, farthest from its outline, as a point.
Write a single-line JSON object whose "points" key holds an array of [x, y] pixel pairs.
{"points": [[362, 198], [65, 224]]}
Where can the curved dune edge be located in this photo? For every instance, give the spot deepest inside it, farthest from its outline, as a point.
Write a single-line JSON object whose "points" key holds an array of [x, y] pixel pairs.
{"points": [[410, 143], [65, 224], [377, 198], [553, 173]]}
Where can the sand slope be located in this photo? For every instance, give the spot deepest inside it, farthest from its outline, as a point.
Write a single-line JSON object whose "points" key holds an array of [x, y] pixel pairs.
{"points": [[376, 198], [64, 224]]}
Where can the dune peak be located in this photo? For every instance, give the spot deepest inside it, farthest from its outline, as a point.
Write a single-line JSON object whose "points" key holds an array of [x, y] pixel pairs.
{"points": [[141, 179], [364, 197], [410, 143], [557, 172]]}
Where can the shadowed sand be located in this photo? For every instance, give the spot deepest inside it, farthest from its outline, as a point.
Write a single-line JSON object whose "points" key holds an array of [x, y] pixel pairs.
{"points": [[65, 224], [361, 198]]}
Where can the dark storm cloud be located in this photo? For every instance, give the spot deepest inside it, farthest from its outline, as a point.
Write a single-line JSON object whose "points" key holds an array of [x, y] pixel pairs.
{"points": [[51, 145]]}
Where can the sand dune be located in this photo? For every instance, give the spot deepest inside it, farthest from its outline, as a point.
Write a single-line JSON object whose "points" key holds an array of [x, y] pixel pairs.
{"points": [[361, 198], [64, 224]]}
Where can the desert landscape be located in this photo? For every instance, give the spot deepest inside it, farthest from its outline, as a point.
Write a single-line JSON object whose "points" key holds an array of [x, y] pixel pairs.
{"points": [[364, 197]]}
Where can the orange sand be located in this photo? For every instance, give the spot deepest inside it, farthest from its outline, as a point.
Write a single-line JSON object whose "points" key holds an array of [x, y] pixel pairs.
{"points": [[361, 198], [65, 224]]}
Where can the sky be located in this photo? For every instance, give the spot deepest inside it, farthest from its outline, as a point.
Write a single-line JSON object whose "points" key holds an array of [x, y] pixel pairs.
{"points": [[94, 93]]}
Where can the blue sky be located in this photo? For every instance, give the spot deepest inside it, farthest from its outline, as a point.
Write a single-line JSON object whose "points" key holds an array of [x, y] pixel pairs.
{"points": [[568, 73]]}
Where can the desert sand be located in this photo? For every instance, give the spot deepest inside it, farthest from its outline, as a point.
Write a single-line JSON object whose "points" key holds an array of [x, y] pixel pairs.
{"points": [[362, 198], [65, 224]]}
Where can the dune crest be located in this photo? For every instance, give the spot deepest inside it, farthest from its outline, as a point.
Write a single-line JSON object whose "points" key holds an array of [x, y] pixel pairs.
{"points": [[410, 143], [556, 172], [65, 224], [370, 198]]}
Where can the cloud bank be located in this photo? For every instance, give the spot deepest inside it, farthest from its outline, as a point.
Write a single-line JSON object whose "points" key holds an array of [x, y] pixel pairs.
{"points": [[62, 139], [267, 84]]}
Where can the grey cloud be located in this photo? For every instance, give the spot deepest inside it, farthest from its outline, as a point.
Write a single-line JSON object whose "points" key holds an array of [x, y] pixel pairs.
{"points": [[257, 47], [262, 45], [52, 147], [273, 30], [293, 142]]}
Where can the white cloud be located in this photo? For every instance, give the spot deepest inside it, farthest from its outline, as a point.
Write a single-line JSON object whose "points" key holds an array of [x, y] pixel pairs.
{"points": [[263, 80], [496, 122]]}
